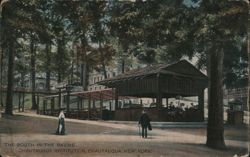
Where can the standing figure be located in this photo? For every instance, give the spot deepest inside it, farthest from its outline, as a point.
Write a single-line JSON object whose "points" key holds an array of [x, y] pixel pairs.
{"points": [[61, 124], [144, 121]]}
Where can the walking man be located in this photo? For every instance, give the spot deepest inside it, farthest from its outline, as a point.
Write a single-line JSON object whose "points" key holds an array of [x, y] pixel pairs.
{"points": [[144, 121]]}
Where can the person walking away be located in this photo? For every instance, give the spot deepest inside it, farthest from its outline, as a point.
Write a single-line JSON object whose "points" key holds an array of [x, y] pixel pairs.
{"points": [[61, 124], [144, 121]]}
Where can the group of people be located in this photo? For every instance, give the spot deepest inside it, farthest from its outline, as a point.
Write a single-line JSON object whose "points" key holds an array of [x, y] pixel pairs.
{"points": [[144, 123]]}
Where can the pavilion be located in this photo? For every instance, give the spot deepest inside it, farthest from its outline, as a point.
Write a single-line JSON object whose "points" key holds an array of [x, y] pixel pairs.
{"points": [[180, 79]]}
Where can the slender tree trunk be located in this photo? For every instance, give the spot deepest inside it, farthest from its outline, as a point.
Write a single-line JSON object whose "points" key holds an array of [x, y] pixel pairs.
{"points": [[33, 74], [84, 74], [215, 127], [102, 61], [86, 78], [59, 61], [22, 79], [9, 97], [123, 65], [59, 78], [72, 72], [72, 68], [121, 60], [78, 64], [47, 84]]}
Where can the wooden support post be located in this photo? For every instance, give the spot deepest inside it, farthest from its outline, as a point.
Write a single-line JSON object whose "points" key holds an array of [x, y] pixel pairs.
{"points": [[94, 104], [59, 98], [89, 105], [37, 102], [37, 99], [116, 98], [44, 106], [24, 102], [159, 100], [78, 107], [19, 101], [167, 102], [201, 104], [37, 110], [68, 101], [52, 106], [82, 103], [101, 104], [159, 94], [110, 105]]}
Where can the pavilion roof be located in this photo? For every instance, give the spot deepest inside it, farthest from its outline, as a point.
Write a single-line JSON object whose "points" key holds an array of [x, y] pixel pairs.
{"points": [[180, 68]]}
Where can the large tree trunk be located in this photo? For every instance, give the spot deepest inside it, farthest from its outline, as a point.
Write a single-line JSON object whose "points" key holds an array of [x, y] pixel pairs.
{"points": [[1, 76], [33, 73], [215, 127], [9, 98], [248, 69], [47, 84]]}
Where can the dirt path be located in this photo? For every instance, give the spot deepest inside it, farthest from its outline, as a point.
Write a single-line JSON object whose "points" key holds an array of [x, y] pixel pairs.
{"points": [[33, 136]]}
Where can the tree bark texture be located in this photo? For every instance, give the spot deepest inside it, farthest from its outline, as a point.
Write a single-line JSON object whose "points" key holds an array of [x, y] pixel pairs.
{"points": [[59, 51], [102, 61], [33, 73], [215, 127], [9, 97], [1, 75], [84, 74], [48, 71], [248, 46]]}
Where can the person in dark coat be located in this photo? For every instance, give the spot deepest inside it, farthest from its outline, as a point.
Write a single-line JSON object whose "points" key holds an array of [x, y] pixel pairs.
{"points": [[144, 121], [61, 124]]}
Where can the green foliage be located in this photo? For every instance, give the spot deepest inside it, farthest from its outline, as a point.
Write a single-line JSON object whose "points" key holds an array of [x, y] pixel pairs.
{"points": [[151, 31]]}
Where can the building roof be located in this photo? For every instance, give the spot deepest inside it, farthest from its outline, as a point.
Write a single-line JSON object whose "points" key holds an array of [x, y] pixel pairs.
{"points": [[180, 68]]}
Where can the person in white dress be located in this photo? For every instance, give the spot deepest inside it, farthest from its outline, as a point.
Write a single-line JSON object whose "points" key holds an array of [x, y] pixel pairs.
{"points": [[61, 124]]}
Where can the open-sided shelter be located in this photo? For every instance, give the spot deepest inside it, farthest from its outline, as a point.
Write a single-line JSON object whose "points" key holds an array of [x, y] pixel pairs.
{"points": [[160, 81]]}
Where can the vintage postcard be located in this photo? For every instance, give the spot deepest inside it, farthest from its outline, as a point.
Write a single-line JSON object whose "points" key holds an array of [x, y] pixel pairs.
{"points": [[124, 78]]}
